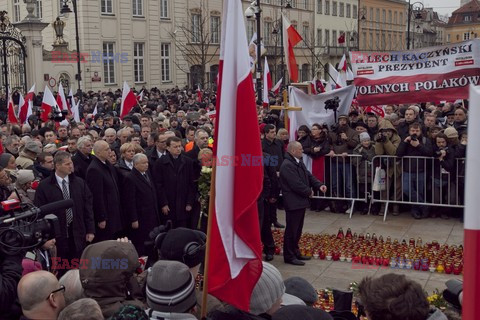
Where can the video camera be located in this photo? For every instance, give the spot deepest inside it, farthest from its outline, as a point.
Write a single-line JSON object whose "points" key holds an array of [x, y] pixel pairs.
{"points": [[332, 104], [24, 227]]}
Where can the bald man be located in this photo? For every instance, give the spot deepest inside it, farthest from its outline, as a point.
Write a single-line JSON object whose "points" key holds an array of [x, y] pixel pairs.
{"points": [[40, 295], [102, 180]]}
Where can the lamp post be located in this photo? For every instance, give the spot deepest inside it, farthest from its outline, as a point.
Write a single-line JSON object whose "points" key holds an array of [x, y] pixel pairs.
{"points": [[361, 19], [417, 8], [65, 10], [254, 9]]}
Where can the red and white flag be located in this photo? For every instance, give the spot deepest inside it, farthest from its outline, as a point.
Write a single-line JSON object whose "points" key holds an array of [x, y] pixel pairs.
{"points": [[276, 87], [471, 276], [75, 107], [48, 104], [290, 38], [128, 100], [235, 259], [341, 39], [350, 76], [333, 79], [267, 84], [343, 66], [199, 94], [61, 100], [27, 106], [140, 96], [313, 85], [12, 117]]}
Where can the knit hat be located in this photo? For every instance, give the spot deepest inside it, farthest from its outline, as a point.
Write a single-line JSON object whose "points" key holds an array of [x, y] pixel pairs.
{"points": [[361, 124], [182, 245], [170, 287], [364, 136], [451, 132], [301, 288], [267, 291], [24, 176], [32, 147], [5, 159], [300, 312]]}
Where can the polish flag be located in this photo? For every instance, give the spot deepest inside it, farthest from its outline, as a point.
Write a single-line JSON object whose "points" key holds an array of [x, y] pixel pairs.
{"points": [[140, 96], [276, 87], [74, 106], [319, 86], [342, 66], [128, 100], [267, 84], [27, 106], [235, 259], [290, 38], [199, 94], [471, 276], [333, 78], [350, 76], [48, 104], [61, 100], [341, 39], [12, 118]]}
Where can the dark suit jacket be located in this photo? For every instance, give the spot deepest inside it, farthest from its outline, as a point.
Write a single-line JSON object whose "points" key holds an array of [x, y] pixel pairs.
{"points": [[175, 188], [141, 206], [103, 182], [80, 164], [49, 191], [296, 183]]}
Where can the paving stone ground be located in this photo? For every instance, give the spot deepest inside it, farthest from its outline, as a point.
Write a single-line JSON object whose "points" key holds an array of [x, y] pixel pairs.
{"points": [[329, 274]]}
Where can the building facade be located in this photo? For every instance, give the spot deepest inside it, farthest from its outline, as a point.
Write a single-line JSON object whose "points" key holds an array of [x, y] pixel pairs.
{"points": [[427, 29], [382, 25], [464, 24]]}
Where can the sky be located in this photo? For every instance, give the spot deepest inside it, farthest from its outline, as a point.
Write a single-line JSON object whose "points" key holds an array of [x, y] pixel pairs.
{"points": [[443, 7]]}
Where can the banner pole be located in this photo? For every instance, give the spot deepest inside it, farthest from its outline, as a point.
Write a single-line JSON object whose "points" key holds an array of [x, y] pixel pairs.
{"points": [[211, 204]]}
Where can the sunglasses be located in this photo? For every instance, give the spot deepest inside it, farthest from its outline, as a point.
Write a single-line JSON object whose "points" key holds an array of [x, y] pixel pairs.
{"points": [[62, 288]]}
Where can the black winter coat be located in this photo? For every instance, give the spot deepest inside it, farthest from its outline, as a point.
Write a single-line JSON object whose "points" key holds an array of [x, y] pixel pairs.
{"points": [[175, 188], [274, 149], [80, 164], [296, 183], [49, 191], [103, 182], [424, 149]]}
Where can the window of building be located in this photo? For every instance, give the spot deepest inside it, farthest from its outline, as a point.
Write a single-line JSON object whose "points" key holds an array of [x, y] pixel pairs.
{"points": [[319, 37], [327, 37], [106, 6], [305, 4], [215, 29], [334, 38], [389, 42], [394, 46], [348, 38], [466, 36], [355, 12], [305, 76], [250, 29], [305, 36], [372, 18], [364, 40], [371, 41], [164, 9], [395, 18], [16, 10], [109, 62], [377, 16], [39, 9], [400, 18], [327, 6], [334, 8], [390, 16], [294, 3], [319, 6], [196, 28], [467, 18], [165, 61], [384, 15], [137, 8], [377, 40], [342, 9], [267, 33], [138, 61], [448, 38], [348, 12]]}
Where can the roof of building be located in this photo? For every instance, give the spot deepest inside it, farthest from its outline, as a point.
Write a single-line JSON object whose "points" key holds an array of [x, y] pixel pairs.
{"points": [[472, 7]]}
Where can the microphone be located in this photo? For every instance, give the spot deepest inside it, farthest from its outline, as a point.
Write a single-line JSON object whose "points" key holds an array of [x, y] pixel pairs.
{"points": [[43, 210]]}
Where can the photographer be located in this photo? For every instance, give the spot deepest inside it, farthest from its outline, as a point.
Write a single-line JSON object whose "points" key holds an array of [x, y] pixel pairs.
{"points": [[343, 140], [443, 173], [386, 143], [414, 170]]}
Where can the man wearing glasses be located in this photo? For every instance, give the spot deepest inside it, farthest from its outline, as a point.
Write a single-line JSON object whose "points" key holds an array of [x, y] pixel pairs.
{"points": [[40, 295]]}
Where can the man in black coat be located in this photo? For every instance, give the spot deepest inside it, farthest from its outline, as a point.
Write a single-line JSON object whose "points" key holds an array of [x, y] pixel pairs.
{"points": [[81, 160], [297, 184], [270, 193], [142, 205], [274, 147], [174, 182], [77, 226], [103, 182], [159, 150]]}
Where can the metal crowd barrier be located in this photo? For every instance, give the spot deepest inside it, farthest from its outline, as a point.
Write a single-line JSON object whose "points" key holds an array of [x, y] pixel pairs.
{"points": [[342, 180], [418, 181]]}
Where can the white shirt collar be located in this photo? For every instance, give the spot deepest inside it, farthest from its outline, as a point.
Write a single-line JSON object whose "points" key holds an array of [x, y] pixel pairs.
{"points": [[160, 154], [129, 164], [60, 180], [296, 159]]}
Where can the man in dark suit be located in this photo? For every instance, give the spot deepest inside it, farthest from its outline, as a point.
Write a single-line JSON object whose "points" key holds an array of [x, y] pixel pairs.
{"points": [[159, 150], [81, 160], [174, 182], [103, 182], [77, 225], [142, 206], [297, 184]]}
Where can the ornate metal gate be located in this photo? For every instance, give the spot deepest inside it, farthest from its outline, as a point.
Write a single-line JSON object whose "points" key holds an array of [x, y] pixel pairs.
{"points": [[12, 57]]}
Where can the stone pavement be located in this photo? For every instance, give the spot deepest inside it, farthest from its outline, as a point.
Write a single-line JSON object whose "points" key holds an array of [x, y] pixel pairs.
{"points": [[329, 274]]}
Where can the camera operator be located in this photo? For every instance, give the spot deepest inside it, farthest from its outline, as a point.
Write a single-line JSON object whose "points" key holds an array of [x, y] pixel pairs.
{"points": [[414, 170], [443, 173], [386, 143], [344, 139]]}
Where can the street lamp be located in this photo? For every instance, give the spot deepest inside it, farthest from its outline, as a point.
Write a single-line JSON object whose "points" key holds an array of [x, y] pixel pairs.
{"points": [[417, 8], [254, 9], [65, 10], [361, 13]]}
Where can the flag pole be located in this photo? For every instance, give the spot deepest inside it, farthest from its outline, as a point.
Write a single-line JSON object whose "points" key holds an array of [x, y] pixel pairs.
{"points": [[211, 204]]}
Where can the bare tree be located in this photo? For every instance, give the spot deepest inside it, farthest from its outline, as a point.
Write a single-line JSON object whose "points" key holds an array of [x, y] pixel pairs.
{"points": [[198, 40]]}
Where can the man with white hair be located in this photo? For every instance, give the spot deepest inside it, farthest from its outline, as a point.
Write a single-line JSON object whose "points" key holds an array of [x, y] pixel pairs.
{"points": [[73, 286], [142, 205], [83, 309], [81, 160]]}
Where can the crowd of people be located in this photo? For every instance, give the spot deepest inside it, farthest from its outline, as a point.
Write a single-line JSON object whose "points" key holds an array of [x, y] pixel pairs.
{"points": [[129, 176]]}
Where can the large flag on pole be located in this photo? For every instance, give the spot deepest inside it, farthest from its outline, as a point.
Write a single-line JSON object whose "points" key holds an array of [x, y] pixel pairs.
{"points": [[48, 104], [235, 260], [27, 106], [61, 100], [276, 87], [12, 118], [290, 38], [128, 100], [471, 276], [267, 84]]}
